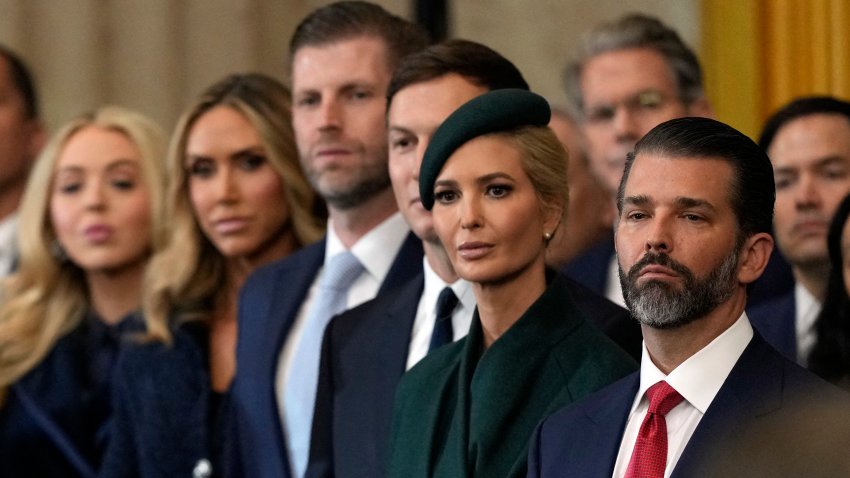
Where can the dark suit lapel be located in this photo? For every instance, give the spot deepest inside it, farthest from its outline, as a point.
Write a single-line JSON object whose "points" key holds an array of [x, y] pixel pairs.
{"points": [[394, 341], [387, 358], [295, 275], [752, 389], [407, 264], [595, 454]]}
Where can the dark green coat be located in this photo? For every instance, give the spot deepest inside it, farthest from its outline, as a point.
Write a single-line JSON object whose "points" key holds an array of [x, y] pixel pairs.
{"points": [[460, 413]]}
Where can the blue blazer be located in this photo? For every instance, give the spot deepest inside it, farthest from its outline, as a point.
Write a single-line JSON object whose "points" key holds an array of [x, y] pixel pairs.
{"points": [[763, 390], [775, 319], [42, 431], [268, 305], [591, 269], [161, 402], [364, 354]]}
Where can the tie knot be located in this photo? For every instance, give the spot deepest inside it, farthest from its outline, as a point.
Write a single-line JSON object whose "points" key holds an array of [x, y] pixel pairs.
{"points": [[662, 398], [341, 271]]}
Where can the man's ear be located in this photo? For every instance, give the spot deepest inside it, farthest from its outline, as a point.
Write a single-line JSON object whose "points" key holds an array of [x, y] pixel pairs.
{"points": [[754, 257]]}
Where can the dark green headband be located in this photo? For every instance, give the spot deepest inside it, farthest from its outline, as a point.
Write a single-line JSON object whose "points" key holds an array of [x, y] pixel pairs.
{"points": [[498, 110]]}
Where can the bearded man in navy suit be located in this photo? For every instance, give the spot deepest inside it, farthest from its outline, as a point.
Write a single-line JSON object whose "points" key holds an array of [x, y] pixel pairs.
{"points": [[694, 217]]}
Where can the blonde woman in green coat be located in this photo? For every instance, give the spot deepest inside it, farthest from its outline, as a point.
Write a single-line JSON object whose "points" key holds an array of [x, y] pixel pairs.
{"points": [[494, 176]]}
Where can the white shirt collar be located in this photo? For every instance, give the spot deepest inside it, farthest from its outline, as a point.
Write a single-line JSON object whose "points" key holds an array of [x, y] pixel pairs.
{"points": [[699, 378], [8, 242], [377, 249]]}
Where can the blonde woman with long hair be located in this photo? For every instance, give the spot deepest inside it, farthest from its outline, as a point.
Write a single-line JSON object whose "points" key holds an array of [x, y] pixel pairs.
{"points": [[89, 219], [237, 200]]}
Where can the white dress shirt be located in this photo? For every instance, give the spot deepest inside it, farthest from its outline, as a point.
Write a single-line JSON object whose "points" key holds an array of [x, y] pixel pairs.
{"points": [[697, 379], [807, 308], [426, 313], [8, 244], [376, 251]]}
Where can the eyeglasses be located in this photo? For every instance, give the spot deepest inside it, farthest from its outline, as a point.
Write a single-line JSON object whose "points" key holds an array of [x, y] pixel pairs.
{"points": [[640, 104]]}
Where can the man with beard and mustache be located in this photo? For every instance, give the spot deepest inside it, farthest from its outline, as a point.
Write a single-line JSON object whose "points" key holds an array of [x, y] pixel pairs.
{"points": [[342, 56], [695, 208], [808, 142]]}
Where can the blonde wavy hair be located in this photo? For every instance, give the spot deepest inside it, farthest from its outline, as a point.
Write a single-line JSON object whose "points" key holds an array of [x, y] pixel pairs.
{"points": [[183, 278], [47, 297]]}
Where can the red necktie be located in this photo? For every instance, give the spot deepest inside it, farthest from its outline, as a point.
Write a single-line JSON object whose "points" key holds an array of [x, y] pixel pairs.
{"points": [[649, 458]]}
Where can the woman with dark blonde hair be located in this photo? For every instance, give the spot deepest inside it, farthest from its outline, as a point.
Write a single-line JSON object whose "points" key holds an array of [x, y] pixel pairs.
{"points": [[90, 217], [494, 176], [237, 199]]}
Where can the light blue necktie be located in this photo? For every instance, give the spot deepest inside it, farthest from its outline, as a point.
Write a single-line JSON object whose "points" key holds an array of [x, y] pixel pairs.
{"points": [[300, 392]]}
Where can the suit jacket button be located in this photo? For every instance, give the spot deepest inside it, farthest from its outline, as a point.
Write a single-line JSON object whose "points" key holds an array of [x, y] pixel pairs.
{"points": [[203, 469]]}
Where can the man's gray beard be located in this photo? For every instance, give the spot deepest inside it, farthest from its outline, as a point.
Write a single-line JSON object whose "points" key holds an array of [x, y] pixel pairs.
{"points": [[659, 305]]}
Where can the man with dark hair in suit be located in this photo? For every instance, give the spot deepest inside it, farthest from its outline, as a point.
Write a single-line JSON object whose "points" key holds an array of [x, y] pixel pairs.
{"points": [[808, 142], [342, 56], [695, 209], [21, 138]]}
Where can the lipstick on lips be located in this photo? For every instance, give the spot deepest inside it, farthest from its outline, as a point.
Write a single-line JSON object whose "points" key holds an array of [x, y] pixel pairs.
{"points": [[98, 233], [230, 225], [474, 250]]}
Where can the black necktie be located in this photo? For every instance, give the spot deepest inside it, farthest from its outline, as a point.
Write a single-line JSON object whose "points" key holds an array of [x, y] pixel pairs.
{"points": [[442, 334]]}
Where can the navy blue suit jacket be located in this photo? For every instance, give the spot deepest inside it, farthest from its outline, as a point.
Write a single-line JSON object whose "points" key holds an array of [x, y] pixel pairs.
{"points": [[775, 319], [591, 269], [268, 305], [363, 358], [763, 392]]}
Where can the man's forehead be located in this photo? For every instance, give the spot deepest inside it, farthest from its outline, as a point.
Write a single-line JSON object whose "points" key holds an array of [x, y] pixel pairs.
{"points": [[629, 71], [344, 46], [658, 174], [814, 137], [431, 101]]}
